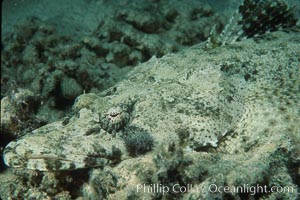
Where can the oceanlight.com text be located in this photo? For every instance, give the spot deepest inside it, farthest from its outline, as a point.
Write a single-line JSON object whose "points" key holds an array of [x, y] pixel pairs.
{"points": [[249, 189]]}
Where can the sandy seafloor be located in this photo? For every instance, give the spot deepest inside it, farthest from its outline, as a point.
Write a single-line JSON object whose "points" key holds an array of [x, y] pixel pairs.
{"points": [[121, 100]]}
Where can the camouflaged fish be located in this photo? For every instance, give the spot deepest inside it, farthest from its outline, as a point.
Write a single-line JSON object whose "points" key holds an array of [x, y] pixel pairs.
{"points": [[85, 144], [55, 147]]}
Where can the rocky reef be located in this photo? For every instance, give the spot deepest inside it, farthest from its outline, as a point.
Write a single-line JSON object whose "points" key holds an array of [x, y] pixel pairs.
{"points": [[185, 123], [59, 67]]}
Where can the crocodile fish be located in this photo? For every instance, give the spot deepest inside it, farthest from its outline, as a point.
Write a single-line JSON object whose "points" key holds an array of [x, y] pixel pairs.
{"points": [[57, 147], [85, 144]]}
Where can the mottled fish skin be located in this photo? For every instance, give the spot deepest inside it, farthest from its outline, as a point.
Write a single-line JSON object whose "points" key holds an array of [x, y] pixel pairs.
{"points": [[254, 18], [55, 147], [18, 155], [261, 16]]}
